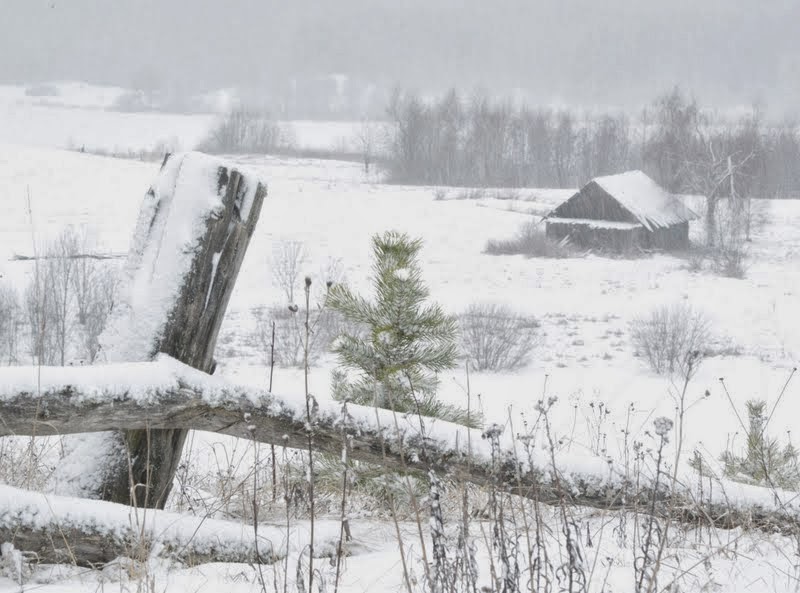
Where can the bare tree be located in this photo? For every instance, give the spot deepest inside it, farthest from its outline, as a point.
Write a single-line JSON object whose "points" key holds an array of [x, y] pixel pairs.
{"points": [[98, 303], [484, 142], [610, 146], [68, 300], [674, 139], [367, 137], [38, 303], [287, 258], [781, 174], [720, 171], [83, 277], [61, 264], [538, 140], [407, 114], [94, 287], [688, 152], [450, 118], [10, 321], [564, 149]]}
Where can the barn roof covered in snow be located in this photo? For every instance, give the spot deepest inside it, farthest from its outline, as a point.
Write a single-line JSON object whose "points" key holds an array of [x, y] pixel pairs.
{"points": [[643, 198]]}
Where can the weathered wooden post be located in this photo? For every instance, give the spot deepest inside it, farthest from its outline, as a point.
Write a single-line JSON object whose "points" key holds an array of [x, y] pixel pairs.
{"points": [[190, 240]]}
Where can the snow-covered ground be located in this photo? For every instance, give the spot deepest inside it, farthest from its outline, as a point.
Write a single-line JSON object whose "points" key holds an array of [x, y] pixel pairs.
{"points": [[585, 306]]}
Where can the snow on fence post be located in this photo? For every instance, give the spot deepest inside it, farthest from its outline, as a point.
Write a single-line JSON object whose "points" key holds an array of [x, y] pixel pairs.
{"points": [[191, 237]]}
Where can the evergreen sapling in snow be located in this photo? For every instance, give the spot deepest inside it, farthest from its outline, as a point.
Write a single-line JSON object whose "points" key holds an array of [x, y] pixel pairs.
{"points": [[407, 339]]}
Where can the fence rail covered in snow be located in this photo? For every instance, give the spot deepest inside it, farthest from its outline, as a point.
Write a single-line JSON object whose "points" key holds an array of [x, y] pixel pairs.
{"points": [[166, 394]]}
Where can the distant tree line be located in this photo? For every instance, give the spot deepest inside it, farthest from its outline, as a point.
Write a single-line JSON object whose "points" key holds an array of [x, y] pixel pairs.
{"points": [[478, 142]]}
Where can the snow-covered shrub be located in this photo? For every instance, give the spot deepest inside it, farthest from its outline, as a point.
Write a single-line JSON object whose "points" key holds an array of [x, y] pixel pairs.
{"points": [[134, 101], [729, 249], [505, 194], [733, 224], [530, 241], [28, 462], [729, 260], [474, 193], [289, 322], [671, 337], [243, 131], [14, 564], [495, 338]]}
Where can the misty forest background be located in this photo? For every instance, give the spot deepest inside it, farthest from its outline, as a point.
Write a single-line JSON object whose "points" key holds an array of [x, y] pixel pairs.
{"points": [[474, 140], [548, 94]]}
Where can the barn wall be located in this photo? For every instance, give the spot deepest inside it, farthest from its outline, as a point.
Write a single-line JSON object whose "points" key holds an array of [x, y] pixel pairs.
{"points": [[673, 237], [620, 240], [592, 202], [590, 237]]}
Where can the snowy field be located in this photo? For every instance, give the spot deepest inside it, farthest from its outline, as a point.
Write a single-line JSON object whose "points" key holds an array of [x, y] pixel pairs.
{"points": [[82, 115], [585, 306]]}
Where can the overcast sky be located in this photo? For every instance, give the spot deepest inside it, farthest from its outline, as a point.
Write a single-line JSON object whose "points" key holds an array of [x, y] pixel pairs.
{"points": [[579, 52]]}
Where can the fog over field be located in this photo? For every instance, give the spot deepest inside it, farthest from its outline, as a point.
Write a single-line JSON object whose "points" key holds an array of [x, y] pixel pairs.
{"points": [[578, 52]]}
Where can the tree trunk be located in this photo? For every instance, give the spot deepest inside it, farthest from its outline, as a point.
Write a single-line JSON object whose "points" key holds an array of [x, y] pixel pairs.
{"points": [[144, 478], [711, 221]]}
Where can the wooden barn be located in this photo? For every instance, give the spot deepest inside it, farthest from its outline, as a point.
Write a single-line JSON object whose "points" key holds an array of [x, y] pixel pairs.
{"points": [[620, 213]]}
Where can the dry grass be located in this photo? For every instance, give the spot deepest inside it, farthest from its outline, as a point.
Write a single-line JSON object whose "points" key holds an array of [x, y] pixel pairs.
{"points": [[530, 241]]}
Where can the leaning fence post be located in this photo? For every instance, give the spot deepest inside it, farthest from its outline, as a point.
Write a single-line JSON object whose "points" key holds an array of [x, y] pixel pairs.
{"points": [[191, 237]]}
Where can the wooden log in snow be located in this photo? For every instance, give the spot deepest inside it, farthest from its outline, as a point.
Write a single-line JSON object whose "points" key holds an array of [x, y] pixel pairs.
{"points": [[166, 395], [60, 529]]}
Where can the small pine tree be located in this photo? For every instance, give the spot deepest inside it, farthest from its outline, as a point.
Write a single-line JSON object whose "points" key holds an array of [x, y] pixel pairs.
{"points": [[407, 340], [764, 460]]}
